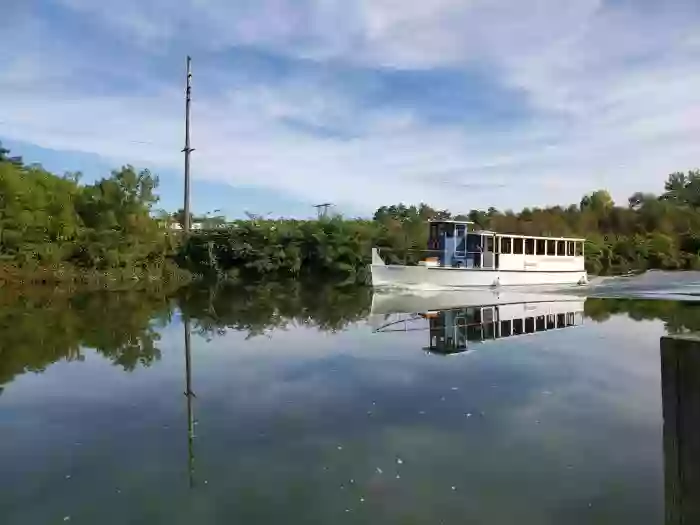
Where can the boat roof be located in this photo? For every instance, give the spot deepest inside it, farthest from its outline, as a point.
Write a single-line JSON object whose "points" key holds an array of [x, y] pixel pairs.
{"points": [[515, 235], [449, 221]]}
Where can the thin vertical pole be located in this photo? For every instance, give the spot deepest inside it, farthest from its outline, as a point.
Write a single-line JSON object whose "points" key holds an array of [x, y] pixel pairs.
{"points": [[188, 149], [189, 394]]}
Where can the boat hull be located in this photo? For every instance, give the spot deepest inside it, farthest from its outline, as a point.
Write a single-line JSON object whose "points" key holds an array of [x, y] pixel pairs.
{"points": [[426, 277], [396, 301]]}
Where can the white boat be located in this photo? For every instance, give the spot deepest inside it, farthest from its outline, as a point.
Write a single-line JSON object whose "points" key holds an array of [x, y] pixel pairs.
{"points": [[461, 257]]}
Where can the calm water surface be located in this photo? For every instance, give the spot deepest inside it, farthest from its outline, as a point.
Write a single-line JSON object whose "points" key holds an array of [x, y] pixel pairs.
{"points": [[296, 405]]}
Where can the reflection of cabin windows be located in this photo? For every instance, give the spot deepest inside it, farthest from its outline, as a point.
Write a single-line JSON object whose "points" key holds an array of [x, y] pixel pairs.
{"points": [[518, 328], [474, 333], [551, 321], [539, 323], [541, 243], [529, 325], [551, 247], [506, 329], [518, 245], [570, 248], [506, 244], [561, 320], [579, 248], [561, 248]]}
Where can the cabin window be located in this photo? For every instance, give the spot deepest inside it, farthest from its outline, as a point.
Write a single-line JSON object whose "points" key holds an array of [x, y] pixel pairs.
{"points": [[506, 245], [579, 248], [541, 244], [449, 230], [518, 327], [551, 321], [529, 246], [518, 245], [489, 244], [551, 247], [570, 320], [570, 248], [461, 229], [561, 248], [529, 325]]}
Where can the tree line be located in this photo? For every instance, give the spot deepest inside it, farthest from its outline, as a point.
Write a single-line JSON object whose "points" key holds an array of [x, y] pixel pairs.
{"points": [[55, 228]]}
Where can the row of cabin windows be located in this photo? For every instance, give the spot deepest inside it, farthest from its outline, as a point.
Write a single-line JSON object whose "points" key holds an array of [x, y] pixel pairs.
{"points": [[537, 324], [519, 245]]}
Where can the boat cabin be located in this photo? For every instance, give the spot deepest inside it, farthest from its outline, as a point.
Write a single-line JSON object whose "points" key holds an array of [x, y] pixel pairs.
{"points": [[455, 244]]}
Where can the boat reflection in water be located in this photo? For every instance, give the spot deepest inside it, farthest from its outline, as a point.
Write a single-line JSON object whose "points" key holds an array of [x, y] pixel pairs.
{"points": [[454, 320]]}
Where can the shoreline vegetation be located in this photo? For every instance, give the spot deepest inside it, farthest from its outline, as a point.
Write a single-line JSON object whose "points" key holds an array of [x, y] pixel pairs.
{"points": [[56, 231]]}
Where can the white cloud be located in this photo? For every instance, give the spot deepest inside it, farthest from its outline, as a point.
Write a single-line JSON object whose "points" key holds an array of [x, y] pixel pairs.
{"points": [[613, 94]]}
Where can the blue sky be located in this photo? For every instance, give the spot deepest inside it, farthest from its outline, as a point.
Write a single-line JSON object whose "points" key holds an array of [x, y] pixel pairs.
{"points": [[459, 103]]}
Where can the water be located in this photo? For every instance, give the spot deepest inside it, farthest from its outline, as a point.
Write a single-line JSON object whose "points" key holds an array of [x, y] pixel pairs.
{"points": [[307, 407]]}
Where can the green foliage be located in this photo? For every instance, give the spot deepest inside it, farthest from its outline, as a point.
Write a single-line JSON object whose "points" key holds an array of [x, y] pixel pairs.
{"points": [[43, 327], [53, 223], [332, 248], [46, 326]]}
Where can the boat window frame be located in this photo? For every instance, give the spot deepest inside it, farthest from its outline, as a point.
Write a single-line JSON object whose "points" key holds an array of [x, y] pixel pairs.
{"points": [[570, 250], [516, 241], [529, 246], [562, 245], [506, 242], [551, 247], [540, 246]]}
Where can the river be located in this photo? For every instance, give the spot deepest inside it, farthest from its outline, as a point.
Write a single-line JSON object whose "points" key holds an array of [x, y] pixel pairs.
{"points": [[303, 404]]}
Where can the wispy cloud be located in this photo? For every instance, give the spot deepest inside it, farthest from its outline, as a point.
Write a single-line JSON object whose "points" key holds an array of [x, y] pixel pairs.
{"points": [[370, 102]]}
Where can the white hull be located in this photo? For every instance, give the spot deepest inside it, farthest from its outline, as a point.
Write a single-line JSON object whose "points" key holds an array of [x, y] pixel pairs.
{"points": [[427, 277], [385, 303]]}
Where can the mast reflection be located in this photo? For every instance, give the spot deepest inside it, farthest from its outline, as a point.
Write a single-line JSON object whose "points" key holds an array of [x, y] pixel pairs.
{"points": [[190, 395]]}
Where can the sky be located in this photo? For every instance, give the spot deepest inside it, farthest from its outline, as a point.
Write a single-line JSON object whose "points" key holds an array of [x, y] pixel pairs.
{"points": [[462, 104]]}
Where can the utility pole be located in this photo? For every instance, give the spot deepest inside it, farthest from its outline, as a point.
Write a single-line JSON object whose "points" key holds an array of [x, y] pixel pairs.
{"points": [[188, 149], [322, 209]]}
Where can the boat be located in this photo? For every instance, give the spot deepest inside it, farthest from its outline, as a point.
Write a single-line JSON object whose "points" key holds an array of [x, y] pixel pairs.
{"points": [[456, 329], [460, 256]]}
